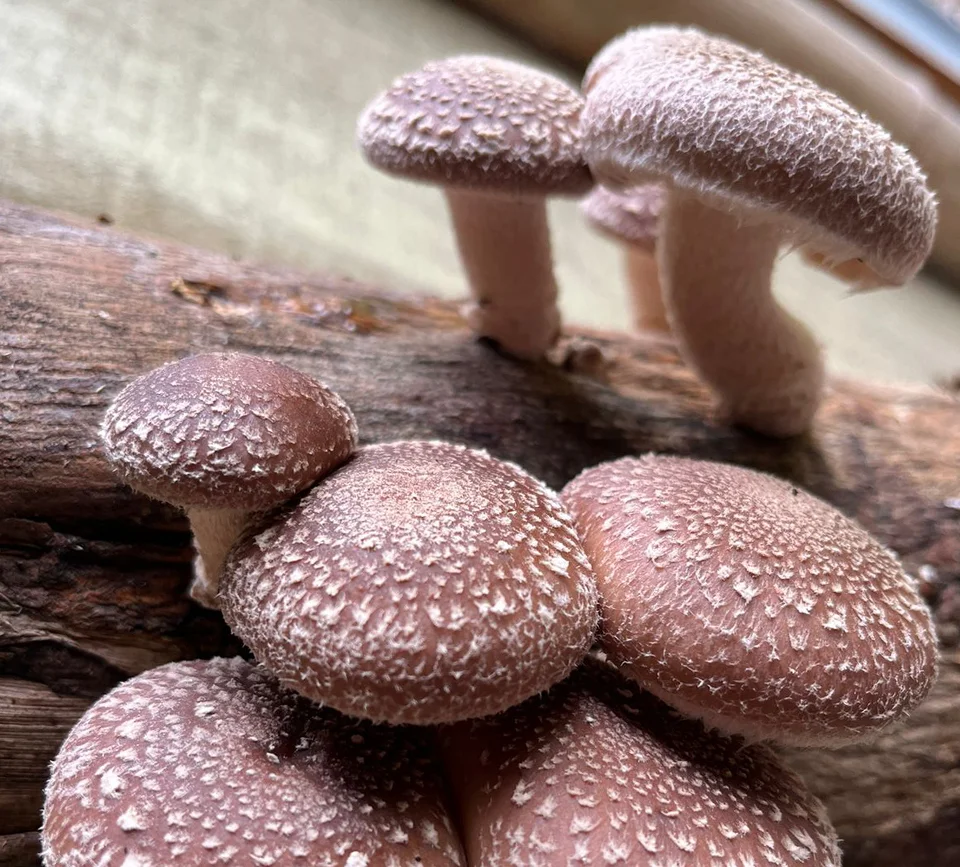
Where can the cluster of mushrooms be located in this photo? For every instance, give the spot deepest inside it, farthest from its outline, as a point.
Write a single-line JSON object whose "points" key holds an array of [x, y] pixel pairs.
{"points": [[455, 665], [424, 618], [746, 157]]}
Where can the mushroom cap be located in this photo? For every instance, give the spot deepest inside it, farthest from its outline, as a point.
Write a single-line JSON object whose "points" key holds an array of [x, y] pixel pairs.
{"points": [[631, 216], [423, 582], [480, 123], [212, 762], [715, 120], [226, 431], [742, 600], [597, 772]]}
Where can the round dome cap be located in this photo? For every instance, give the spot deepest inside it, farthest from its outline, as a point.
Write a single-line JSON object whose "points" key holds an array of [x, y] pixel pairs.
{"points": [[202, 763], [742, 600], [422, 582], [726, 124], [226, 431], [479, 123], [597, 772]]}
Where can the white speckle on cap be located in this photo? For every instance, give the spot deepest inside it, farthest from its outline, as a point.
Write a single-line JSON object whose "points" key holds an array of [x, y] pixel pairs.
{"points": [[131, 820], [111, 784]]}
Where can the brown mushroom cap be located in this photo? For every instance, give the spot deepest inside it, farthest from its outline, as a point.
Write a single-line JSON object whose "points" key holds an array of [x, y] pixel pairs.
{"points": [[480, 123], [742, 600], [631, 216], [213, 763], [226, 430], [422, 582], [675, 105], [598, 773]]}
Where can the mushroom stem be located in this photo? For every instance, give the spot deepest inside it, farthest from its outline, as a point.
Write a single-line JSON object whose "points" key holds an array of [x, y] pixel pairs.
{"points": [[504, 244], [214, 532], [646, 301], [763, 363]]}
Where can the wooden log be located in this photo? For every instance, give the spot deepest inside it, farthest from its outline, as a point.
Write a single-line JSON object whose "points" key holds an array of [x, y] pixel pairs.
{"points": [[20, 850], [92, 578]]}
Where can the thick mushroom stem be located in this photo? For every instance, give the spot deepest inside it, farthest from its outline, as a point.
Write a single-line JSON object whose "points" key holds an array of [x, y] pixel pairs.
{"points": [[764, 364], [646, 300], [214, 532], [504, 243]]}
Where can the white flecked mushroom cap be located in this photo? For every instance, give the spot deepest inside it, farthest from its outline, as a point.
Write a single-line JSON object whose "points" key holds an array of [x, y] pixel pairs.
{"points": [[480, 123], [422, 582], [631, 216], [678, 106], [212, 763], [744, 601], [226, 431], [598, 773]]}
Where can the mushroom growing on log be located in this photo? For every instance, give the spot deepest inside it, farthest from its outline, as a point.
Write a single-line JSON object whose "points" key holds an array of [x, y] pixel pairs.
{"points": [[755, 157], [93, 577]]}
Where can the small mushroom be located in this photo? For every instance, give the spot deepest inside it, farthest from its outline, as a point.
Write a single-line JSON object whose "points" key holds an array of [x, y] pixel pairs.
{"points": [[422, 582], [199, 763], [499, 137], [597, 773], [746, 602], [754, 157], [632, 218], [225, 436]]}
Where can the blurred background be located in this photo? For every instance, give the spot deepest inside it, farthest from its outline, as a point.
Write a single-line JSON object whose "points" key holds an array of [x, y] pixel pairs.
{"points": [[229, 124]]}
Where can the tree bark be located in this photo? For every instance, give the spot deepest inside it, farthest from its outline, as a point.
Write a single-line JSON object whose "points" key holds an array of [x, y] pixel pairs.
{"points": [[92, 577]]}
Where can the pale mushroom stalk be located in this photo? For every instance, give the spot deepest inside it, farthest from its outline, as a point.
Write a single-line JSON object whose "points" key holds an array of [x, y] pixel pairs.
{"points": [[214, 533], [646, 298], [505, 247], [714, 121], [763, 363], [498, 137], [632, 218]]}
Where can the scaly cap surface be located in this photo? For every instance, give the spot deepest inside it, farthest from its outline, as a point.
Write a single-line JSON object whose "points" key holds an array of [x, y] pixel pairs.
{"points": [[745, 601], [479, 123], [718, 121], [422, 582]]}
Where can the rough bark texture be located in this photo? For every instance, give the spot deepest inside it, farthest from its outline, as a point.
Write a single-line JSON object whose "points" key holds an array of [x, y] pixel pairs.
{"points": [[92, 578]]}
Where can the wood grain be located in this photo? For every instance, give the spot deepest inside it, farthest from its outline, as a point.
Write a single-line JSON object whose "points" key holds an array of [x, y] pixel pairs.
{"points": [[92, 577]]}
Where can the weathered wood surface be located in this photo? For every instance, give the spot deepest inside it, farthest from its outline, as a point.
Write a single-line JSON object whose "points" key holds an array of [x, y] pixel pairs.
{"points": [[92, 577]]}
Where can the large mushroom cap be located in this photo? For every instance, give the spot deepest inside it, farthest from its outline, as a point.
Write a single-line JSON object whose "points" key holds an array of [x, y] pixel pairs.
{"points": [[631, 216], [481, 123], [679, 106], [226, 431], [204, 763], [740, 599], [596, 773], [422, 582]]}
